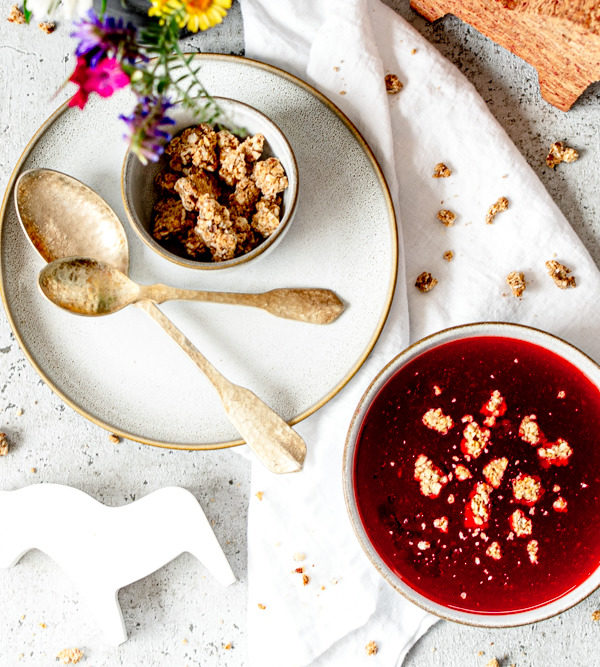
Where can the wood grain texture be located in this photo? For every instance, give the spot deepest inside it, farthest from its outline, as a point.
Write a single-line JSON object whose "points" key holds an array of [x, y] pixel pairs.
{"points": [[560, 38]]}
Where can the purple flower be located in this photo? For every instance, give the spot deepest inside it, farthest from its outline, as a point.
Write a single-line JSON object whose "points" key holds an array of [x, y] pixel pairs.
{"points": [[146, 138], [104, 39]]}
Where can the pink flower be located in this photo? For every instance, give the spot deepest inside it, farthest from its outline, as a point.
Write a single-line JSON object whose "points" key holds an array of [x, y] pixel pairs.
{"points": [[105, 78]]}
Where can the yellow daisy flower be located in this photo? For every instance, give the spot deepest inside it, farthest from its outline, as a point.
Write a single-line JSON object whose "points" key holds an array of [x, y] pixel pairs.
{"points": [[163, 8], [204, 14]]}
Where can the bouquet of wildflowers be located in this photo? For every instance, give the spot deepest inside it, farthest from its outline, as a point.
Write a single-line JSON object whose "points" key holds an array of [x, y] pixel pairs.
{"points": [[112, 54]]}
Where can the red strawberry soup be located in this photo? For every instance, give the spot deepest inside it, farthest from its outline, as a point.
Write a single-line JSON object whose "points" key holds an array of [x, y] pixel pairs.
{"points": [[477, 475]]}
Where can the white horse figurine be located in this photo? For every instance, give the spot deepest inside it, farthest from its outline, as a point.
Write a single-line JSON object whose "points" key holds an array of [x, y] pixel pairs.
{"points": [[105, 548]]}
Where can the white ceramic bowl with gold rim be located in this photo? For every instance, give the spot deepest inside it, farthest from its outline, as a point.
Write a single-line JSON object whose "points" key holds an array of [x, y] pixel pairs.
{"points": [[371, 525], [139, 192]]}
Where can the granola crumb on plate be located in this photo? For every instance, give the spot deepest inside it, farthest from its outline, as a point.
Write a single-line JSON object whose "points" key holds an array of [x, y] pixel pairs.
{"points": [[425, 282], [516, 282], [69, 656], [393, 85], [446, 217], [560, 274], [560, 152], [497, 207], [441, 171], [371, 648]]}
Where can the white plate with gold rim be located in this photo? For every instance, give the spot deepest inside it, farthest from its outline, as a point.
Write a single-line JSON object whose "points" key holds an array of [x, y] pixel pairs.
{"points": [[121, 371]]}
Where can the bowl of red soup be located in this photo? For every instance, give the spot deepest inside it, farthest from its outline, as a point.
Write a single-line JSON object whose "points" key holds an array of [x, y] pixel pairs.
{"points": [[472, 474]]}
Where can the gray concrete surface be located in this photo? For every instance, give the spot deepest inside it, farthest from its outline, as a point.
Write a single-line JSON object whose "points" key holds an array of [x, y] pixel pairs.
{"points": [[179, 616]]}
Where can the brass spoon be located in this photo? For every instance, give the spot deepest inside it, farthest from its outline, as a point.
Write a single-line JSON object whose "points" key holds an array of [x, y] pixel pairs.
{"points": [[63, 217], [87, 286]]}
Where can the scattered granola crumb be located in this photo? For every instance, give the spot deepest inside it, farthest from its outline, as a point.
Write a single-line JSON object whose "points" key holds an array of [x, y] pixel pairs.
{"points": [[4, 446], [448, 255], [450, 499], [532, 551], [47, 27], [228, 646], [560, 152], [494, 551], [463, 596], [441, 171], [342, 92], [560, 274], [446, 217], [16, 15], [529, 431], [596, 615], [34, 470], [20, 412], [494, 471], [305, 579], [497, 207], [393, 85], [261, 606], [114, 438], [412, 53], [556, 488], [462, 473], [43, 625], [423, 545], [299, 557], [436, 390], [184, 641], [477, 510], [561, 394], [520, 524], [441, 524], [436, 420], [260, 495], [516, 282], [559, 505], [371, 648], [299, 570], [70, 656], [495, 406], [475, 439], [493, 663], [556, 454], [527, 489], [425, 282], [429, 476]]}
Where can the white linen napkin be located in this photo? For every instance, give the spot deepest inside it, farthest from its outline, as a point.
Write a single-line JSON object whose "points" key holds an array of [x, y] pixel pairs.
{"points": [[350, 45]]}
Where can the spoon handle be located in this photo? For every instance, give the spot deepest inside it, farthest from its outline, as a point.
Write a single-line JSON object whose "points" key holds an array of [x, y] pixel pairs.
{"points": [[317, 306], [273, 441]]}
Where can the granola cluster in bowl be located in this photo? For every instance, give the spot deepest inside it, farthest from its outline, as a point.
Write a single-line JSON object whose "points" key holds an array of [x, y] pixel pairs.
{"points": [[220, 195]]}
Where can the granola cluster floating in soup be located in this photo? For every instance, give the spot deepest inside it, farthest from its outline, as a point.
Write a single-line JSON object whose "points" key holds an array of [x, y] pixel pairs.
{"points": [[218, 199]]}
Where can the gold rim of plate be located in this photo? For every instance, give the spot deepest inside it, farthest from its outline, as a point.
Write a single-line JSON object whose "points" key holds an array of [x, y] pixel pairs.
{"points": [[336, 389]]}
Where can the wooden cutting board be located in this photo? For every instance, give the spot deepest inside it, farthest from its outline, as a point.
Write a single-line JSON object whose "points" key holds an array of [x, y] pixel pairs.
{"points": [[560, 38]]}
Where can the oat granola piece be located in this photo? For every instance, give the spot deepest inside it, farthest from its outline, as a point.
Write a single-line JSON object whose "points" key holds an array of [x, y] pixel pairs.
{"points": [[170, 219], [371, 648], [446, 217], [215, 228], [270, 176], [494, 551], [560, 274], [532, 551], [560, 152], [516, 282], [527, 489], [555, 454], [226, 141], [266, 219], [261, 606], [431, 479], [448, 255], [425, 282], [596, 615], [69, 656], [559, 505], [16, 15], [305, 579], [441, 524], [197, 183], [242, 202], [238, 163], [494, 471], [423, 545], [462, 473], [47, 26], [4, 446], [497, 207], [475, 439], [194, 146], [194, 244], [477, 510], [114, 438], [529, 431], [166, 180], [436, 420], [441, 171], [493, 663], [436, 390], [520, 524], [393, 85], [246, 238]]}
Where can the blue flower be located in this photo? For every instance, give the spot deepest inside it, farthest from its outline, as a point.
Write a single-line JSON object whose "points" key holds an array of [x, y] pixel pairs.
{"points": [[99, 39], [147, 138]]}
